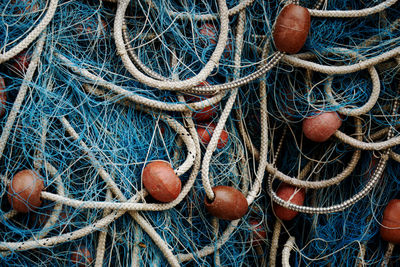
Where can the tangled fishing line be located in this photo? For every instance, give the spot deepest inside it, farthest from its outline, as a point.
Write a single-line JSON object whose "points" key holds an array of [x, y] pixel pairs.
{"points": [[199, 133]]}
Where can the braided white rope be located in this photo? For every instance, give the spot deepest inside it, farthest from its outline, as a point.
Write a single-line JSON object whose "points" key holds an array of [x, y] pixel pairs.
{"points": [[101, 243], [263, 160], [171, 85], [117, 192], [361, 255], [135, 58], [121, 92], [55, 213], [212, 89], [376, 85], [53, 217], [146, 226], [395, 156], [207, 184], [228, 231], [278, 223], [215, 225], [367, 146], [286, 251], [209, 152], [46, 242], [191, 143], [313, 12], [323, 183], [128, 206], [274, 243], [338, 207], [50, 241], [136, 249], [32, 35], [208, 17], [188, 138], [8, 215], [241, 124], [352, 13], [244, 134], [21, 94], [297, 61], [379, 134], [376, 145], [207, 250], [349, 202], [387, 255], [206, 89]]}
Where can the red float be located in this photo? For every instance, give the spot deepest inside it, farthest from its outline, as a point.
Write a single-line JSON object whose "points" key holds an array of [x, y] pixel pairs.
{"points": [[228, 204], [205, 133], [390, 228], [321, 127], [160, 181], [291, 28], [291, 194], [24, 191]]}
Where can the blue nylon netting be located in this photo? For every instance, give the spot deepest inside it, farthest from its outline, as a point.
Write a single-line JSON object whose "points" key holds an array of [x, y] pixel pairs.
{"points": [[122, 136]]}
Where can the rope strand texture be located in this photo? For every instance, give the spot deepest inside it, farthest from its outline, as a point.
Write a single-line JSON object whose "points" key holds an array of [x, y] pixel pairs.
{"points": [[89, 114]]}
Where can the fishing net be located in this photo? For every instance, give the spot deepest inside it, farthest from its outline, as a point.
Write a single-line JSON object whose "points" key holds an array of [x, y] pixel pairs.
{"points": [[93, 91]]}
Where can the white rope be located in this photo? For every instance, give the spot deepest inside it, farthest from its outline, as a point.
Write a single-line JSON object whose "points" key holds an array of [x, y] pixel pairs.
{"points": [[207, 184], [128, 95], [297, 61], [32, 35], [208, 17], [376, 89], [274, 243], [117, 192], [286, 251], [101, 243], [21, 94], [170, 85], [352, 13], [323, 183]]}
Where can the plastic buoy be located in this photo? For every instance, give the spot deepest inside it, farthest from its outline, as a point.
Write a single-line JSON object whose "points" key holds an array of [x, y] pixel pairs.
{"points": [[24, 191], [291, 194], [228, 204], [390, 228], [291, 28], [160, 181], [321, 127]]}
